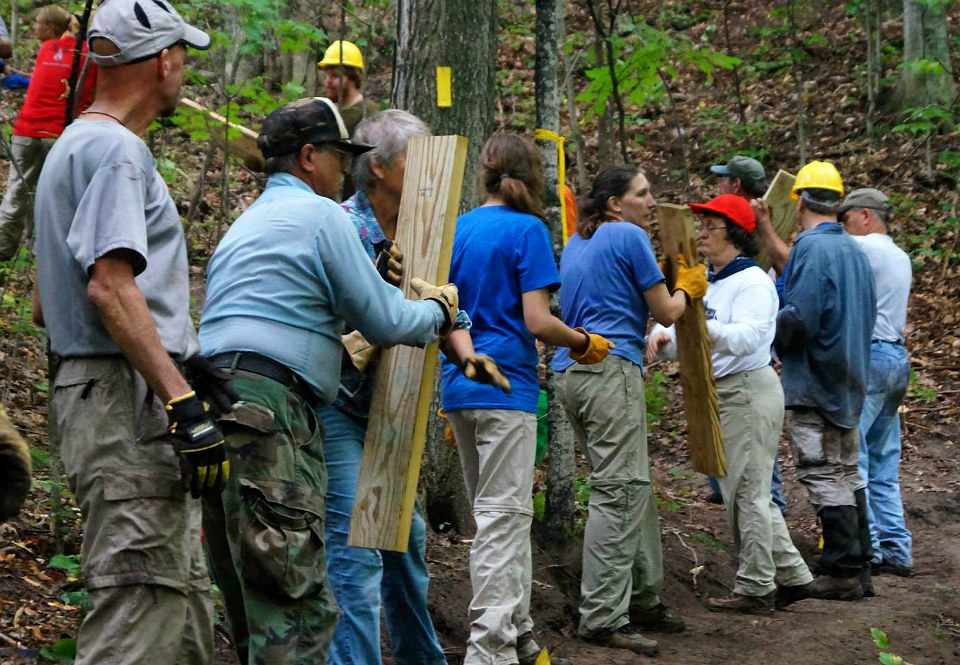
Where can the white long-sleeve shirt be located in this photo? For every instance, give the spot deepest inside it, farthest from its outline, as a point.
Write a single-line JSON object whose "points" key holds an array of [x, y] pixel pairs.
{"points": [[741, 322]]}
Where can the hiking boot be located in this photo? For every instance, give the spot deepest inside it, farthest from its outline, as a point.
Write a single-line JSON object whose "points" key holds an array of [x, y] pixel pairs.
{"points": [[625, 637], [744, 604], [866, 582], [528, 651], [888, 568], [823, 587], [657, 619]]}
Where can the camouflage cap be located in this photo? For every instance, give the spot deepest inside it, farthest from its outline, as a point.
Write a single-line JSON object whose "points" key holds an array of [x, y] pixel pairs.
{"points": [[748, 170], [310, 120], [866, 197]]}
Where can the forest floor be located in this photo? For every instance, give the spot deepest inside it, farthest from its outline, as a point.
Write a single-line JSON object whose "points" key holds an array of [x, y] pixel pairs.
{"points": [[39, 591]]}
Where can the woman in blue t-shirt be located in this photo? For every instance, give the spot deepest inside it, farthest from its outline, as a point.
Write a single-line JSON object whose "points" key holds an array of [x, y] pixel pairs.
{"points": [[504, 269], [611, 284]]}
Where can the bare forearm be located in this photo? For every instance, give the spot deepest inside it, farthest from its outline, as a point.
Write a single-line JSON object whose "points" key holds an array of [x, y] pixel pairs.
{"points": [[779, 250], [552, 331], [458, 347]]}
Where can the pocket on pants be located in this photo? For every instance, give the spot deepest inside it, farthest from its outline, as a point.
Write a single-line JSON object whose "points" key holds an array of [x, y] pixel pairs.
{"points": [[281, 538], [806, 436]]}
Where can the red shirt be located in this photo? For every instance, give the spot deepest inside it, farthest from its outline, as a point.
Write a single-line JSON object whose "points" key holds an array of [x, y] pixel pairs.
{"points": [[45, 105]]}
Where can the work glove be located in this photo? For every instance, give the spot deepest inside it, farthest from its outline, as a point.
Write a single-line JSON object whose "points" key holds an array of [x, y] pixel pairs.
{"points": [[595, 351], [446, 296], [484, 369], [199, 445], [361, 352], [389, 262], [691, 280], [212, 385]]}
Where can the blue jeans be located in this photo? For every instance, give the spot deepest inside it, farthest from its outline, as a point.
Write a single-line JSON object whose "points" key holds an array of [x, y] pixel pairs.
{"points": [[776, 487], [880, 453], [361, 577]]}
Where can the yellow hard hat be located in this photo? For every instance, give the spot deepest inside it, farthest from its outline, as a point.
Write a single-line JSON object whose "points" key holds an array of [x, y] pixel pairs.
{"points": [[342, 52], [817, 175]]}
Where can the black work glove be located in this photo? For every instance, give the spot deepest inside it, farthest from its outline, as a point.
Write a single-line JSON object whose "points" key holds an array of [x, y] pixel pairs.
{"points": [[213, 385], [199, 445], [389, 261]]}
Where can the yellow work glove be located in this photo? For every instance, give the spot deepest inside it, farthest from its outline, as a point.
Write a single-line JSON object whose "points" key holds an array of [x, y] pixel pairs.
{"points": [[596, 350], [484, 369], [361, 352], [446, 296], [691, 280], [447, 430], [199, 445], [390, 263]]}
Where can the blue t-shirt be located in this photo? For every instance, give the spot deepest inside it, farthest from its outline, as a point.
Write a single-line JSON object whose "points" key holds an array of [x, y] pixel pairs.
{"points": [[603, 283], [498, 255]]}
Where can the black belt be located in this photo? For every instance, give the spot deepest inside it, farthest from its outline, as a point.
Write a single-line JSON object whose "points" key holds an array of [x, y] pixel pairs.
{"points": [[248, 361], [886, 341]]}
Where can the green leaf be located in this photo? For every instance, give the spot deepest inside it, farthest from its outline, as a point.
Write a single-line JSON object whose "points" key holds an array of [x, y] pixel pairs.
{"points": [[879, 638], [890, 659], [69, 563], [64, 651]]}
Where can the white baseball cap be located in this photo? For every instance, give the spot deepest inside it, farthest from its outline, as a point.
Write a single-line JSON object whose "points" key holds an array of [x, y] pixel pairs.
{"points": [[141, 29]]}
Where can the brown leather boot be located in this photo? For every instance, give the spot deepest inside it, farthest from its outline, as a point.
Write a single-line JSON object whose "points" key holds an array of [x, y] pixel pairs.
{"points": [[744, 604], [823, 587], [625, 637], [657, 619]]}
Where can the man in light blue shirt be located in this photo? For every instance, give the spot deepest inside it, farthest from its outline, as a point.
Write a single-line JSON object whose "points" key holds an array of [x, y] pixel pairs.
{"points": [[283, 281]]}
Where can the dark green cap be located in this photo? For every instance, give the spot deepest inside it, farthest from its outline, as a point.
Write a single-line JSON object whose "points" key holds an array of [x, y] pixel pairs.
{"points": [[309, 120], [866, 197], [746, 169]]}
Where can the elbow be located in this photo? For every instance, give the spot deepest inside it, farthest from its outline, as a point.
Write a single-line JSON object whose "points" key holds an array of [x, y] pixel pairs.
{"points": [[537, 326], [666, 319], [100, 292]]}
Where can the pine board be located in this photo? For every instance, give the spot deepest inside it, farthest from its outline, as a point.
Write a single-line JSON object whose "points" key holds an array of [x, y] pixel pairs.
{"points": [[783, 213], [396, 432], [704, 436]]}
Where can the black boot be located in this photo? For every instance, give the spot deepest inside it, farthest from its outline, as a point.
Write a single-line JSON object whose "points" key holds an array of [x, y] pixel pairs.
{"points": [[841, 541], [866, 545]]}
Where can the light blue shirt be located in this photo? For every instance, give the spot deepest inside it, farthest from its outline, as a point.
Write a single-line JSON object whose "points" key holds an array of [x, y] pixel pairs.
{"points": [[289, 273]]}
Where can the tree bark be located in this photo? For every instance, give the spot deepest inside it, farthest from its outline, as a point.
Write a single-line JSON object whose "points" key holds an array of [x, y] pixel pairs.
{"points": [[925, 38], [464, 38], [558, 516]]}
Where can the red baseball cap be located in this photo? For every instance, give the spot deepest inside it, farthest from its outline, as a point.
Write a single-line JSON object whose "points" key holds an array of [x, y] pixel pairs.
{"points": [[735, 208]]}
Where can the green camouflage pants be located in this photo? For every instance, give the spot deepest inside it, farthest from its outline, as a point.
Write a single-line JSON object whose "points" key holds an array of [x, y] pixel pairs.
{"points": [[264, 538]]}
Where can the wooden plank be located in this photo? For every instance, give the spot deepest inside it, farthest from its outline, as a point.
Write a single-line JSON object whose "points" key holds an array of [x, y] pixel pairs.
{"points": [[783, 212], [704, 436], [241, 142], [390, 469]]}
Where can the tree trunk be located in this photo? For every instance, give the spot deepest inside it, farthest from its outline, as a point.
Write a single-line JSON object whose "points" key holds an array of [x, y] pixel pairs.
{"points": [[558, 516], [465, 39], [925, 39]]}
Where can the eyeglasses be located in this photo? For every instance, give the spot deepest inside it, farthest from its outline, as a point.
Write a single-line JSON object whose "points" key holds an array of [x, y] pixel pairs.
{"points": [[708, 229], [346, 158]]}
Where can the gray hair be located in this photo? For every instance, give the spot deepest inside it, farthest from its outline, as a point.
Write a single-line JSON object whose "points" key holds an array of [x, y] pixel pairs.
{"points": [[389, 131]]}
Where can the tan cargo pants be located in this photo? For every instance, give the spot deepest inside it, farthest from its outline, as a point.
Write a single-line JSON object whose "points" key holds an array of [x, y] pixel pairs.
{"points": [[826, 458], [141, 554], [497, 450], [751, 415], [16, 210], [622, 557]]}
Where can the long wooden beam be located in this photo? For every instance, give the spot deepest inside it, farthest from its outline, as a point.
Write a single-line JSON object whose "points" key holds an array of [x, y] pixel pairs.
{"points": [[233, 138], [704, 436], [783, 212], [396, 431]]}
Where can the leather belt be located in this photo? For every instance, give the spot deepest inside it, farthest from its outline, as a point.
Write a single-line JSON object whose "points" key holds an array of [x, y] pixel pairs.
{"points": [[886, 341], [255, 363]]}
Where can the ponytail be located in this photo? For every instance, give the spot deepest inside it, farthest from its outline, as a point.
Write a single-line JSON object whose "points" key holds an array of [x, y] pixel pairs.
{"points": [[611, 181], [511, 168]]}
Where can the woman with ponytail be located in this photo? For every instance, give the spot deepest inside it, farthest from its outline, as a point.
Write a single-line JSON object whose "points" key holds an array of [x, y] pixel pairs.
{"points": [[611, 284], [504, 269]]}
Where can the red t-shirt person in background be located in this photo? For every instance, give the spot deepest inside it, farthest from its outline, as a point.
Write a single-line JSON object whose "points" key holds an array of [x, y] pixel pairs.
{"points": [[40, 121]]}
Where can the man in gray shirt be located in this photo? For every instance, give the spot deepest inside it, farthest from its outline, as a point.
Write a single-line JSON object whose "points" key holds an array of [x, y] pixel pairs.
{"points": [[864, 214], [6, 46], [113, 280]]}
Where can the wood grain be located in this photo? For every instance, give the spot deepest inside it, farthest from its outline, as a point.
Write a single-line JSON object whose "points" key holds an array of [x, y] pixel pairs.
{"points": [[390, 469], [704, 436], [783, 213]]}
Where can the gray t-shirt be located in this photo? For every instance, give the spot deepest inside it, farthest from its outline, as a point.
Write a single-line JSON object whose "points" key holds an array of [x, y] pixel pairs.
{"points": [[99, 191], [892, 273]]}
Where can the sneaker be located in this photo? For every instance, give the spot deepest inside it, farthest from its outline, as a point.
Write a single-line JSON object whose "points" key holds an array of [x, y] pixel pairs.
{"points": [[625, 637], [744, 604], [889, 568], [528, 651], [657, 619], [823, 587]]}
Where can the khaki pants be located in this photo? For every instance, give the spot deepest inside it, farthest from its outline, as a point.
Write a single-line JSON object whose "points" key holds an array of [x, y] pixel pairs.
{"points": [[497, 450], [622, 558], [751, 415], [141, 552], [826, 458], [16, 210]]}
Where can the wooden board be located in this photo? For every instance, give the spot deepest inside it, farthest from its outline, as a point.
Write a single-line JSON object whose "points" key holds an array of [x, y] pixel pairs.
{"points": [[783, 213], [390, 469], [241, 142], [704, 437]]}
